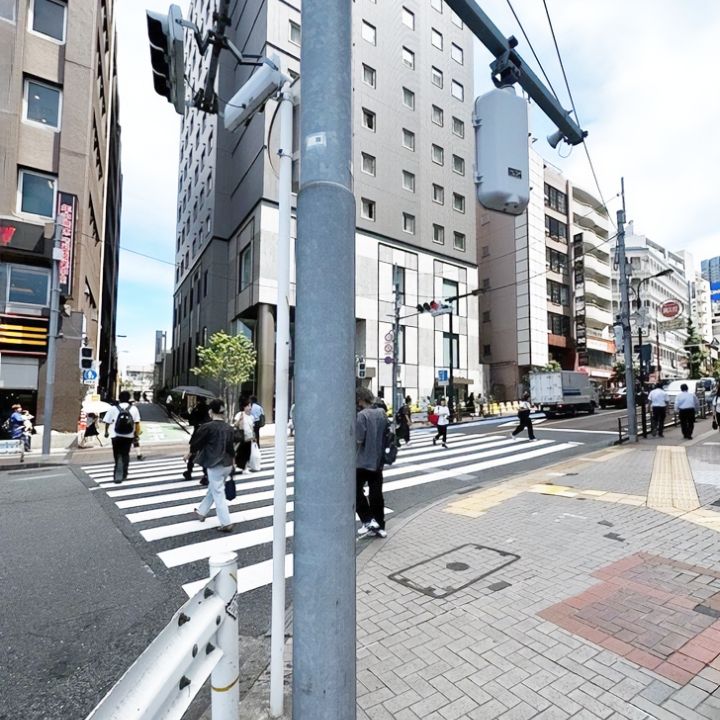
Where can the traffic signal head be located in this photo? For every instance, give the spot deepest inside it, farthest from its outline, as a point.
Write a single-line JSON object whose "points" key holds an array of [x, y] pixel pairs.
{"points": [[167, 55], [86, 358]]}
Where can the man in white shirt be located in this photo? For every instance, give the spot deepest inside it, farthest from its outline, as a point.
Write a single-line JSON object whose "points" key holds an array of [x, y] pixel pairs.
{"points": [[258, 415], [658, 400], [687, 405], [443, 420], [123, 423]]}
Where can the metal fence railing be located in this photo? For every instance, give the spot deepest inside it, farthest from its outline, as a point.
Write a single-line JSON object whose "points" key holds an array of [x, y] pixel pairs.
{"points": [[200, 641]]}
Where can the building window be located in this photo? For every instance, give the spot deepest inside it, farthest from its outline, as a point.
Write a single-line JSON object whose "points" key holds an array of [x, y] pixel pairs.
{"points": [[436, 39], [438, 155], [399, 281], [205, 283], [48, 17], [436, 77], [367, 209], [438, 194], [36, 193], [245, 268], [450, 288], [455, 350], [295, 33], [459, 241], [555, 229], [408, 139], [28, 286], [558, 324], [401, 343], [437, 5], [438, 234], [408, 58], [408, 223], [408, 181], [437, 115], [408, 18], [408, 98], [457, 90], [368, 119], [486, 316], [458, 127], [42, 104], [485, 251], [458, 202], [368, 163], [555, 199], [556, 261], [456, 53], [369, 33], [486, 283], [7, 10], [558, 293], [486, 350], [458, 165], [456, 19], [369, 75]]}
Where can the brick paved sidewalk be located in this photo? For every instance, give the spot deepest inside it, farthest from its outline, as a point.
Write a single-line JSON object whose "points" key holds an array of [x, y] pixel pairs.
{"points": [[589, 589]]}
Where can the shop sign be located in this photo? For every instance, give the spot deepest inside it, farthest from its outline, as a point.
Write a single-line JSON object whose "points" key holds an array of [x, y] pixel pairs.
{"points": [[66, 214]]}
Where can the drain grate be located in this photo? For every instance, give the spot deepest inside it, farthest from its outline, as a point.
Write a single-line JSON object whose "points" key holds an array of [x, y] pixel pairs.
{"points": [[445, 574]]}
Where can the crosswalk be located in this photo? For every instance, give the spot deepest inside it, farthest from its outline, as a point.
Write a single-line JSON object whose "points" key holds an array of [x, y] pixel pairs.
{"points": [[159, 503]]}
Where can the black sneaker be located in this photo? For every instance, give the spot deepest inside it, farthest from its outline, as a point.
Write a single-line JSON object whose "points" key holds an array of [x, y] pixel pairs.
{"points": [[204, 481], [187, 475]]}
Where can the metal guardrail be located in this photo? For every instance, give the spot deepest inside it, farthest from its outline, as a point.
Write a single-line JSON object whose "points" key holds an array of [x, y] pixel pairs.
{"points": [[200, 641], [13, 447]]}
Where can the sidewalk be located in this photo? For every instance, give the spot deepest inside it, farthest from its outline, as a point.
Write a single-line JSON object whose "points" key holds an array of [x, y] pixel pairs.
{"points": [[589, 590]]}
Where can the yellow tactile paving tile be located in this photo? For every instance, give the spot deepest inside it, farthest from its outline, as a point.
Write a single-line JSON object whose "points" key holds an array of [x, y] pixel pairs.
{"points": [[672, 485]]}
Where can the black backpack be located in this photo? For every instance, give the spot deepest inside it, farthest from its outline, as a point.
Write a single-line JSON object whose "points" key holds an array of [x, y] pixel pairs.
{"points": [[124, 423], [390, 446]]}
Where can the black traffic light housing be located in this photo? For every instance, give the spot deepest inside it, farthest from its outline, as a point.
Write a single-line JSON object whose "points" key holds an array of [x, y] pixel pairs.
{"points": [[167, 55], [86, 358]]}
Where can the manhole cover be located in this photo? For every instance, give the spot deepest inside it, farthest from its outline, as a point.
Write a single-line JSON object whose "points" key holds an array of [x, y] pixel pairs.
{"points": [[454, 570]]}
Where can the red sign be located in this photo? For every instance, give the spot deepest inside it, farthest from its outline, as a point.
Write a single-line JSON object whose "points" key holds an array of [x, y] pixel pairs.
{"points": [[67, 208], [670, 309], [6, 234]]}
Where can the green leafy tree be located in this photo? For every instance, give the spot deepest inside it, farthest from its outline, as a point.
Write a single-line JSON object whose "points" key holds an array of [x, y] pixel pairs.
{"points": [[696, 349], [229, 361]]}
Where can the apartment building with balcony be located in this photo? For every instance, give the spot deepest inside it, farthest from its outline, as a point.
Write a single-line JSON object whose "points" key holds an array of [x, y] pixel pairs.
{"points": [[413, 180], [545, 277], [59, 159]]}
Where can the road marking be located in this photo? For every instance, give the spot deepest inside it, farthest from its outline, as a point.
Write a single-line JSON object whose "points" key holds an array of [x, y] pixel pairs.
{"points": [[585, 432]]}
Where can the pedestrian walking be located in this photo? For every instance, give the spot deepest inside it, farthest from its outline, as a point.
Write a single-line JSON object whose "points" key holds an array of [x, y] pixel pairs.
{"points": [[28, 430], [370, 425], [258, 415], [122, 423], [403, 419], [291, 420], [443, 420], [244, 423], [715, 405], [91, 430], [658, 400], [169, 405], [524, 409], [212, 445], [687, 405], [199, 415], [16, 424]]}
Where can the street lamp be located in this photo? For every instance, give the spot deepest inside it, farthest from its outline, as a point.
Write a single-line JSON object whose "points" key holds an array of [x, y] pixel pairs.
{"points": [[662, 273]]}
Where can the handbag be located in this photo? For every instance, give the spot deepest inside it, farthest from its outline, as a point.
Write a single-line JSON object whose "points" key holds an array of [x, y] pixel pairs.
{"points": [[432, 418], [230, 489], [254, 463], [714, 425]]}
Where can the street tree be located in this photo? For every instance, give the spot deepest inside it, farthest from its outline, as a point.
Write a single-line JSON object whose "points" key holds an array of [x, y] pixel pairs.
{"points": [[227, 360], [696, 349]]}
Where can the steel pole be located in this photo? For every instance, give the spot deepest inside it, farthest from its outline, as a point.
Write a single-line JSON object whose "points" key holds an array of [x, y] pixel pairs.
{"points": [[451, 376], [49, 405], [282, 378], [396, 351], [325, 446]]}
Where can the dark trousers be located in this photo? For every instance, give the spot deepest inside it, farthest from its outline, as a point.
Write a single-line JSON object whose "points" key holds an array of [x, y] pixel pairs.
{"points": [[256, 432], [525, 422], [242, 454], [687, 422], [403, 432], [658, 420], [375, 509], [190, 466], [121, 454], [441, 433]]}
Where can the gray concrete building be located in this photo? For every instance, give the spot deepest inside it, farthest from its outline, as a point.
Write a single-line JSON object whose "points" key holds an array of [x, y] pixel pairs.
{"points": [[59, 157], [414, 188]]}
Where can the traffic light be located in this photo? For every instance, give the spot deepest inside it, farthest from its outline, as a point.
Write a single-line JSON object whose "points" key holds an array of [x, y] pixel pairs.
{"points": [[361, 368], [435, 308], [167, 55], [619, 338], [86, 358]]}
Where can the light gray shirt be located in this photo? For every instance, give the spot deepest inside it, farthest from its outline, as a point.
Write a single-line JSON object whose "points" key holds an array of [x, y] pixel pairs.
{"points": [[658, 398], [369, 431], [687, 401]]}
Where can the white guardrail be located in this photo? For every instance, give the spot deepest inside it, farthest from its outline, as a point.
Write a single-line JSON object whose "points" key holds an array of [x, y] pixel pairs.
{"points": [[200, 641], [13, 447]]}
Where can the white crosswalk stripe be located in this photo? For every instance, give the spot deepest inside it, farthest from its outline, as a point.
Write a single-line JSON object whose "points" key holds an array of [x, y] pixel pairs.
{"points": [[159, 503]]}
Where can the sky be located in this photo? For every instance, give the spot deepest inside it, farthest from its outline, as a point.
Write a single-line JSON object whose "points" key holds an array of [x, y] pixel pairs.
{"points": [[642, 74]]}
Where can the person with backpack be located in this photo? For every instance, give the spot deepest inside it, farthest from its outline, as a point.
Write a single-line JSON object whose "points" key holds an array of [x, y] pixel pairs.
{"points": [[402, 419], [524, 410], [122, 423], [371, 432]]}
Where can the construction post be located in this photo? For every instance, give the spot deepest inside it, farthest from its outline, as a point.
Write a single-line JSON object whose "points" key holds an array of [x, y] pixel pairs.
{"points": [[625, 320], [325, 446]]}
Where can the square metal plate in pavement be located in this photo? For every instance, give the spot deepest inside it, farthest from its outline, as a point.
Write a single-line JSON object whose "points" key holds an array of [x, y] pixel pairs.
{"points": [[453, 570]]}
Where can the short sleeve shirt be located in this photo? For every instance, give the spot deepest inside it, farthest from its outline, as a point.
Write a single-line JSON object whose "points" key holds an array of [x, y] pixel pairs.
{"points": [[112, 415]]}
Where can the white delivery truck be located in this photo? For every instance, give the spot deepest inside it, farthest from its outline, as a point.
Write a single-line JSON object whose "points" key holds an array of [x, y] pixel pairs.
{"points": [[563, 392]]}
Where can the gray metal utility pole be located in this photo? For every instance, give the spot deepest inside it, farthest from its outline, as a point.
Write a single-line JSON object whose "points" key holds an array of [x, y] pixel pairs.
{"points": [[52, 338], [324, 564], [396, 399], [625, 320]]}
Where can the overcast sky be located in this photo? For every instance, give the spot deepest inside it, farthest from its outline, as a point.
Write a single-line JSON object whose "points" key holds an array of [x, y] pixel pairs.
{"points": [[643, 75]]}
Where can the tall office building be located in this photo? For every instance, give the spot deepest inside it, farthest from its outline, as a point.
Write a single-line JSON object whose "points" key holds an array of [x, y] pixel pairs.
{"points": [[59, 157], [711, 272], [413, 171], [545, 277]]}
